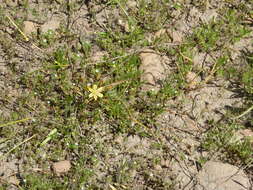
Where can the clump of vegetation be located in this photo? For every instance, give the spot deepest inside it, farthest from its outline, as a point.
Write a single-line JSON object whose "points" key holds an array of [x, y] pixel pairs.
{"points": [[223, 141]]}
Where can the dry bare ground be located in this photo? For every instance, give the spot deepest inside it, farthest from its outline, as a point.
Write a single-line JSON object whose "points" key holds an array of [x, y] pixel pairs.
{"points": [[174, 110]]}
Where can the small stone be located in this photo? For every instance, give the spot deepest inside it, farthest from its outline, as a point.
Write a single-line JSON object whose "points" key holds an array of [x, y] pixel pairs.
{"points": [[159, 33], [132, 4], [29, 27], [119, 140], [177, 37], [158, 168], [50, 25], [165, 163], [61, 167], [13, 180], [217, 175], [246, 132], [152, 70], [192, 79]]}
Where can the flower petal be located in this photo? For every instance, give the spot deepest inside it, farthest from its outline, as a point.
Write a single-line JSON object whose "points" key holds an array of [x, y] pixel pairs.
{"points": [[100, 95], [90, 89], [95, 87], [100, 89]]}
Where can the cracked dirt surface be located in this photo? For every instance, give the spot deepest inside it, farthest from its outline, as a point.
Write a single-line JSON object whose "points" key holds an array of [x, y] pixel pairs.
{"points": [[171, 155]]}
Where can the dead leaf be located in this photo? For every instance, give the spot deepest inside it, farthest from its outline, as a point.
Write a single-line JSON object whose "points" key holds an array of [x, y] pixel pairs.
{"points": [[112, 188], [61, 167]]}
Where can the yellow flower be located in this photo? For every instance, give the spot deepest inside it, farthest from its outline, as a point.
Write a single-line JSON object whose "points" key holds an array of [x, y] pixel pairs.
{"points": [[95, 92]]}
